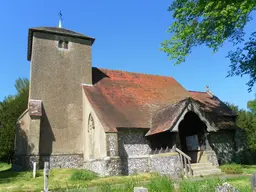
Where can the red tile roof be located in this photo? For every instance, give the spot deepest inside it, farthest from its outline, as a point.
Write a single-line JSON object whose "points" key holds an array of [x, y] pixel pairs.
{"points": [[211, 103], [124, 99], [132, 100]]}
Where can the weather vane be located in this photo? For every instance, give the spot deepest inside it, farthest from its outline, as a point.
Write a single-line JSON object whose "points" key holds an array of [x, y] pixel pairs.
{"points": [[60, 19]]}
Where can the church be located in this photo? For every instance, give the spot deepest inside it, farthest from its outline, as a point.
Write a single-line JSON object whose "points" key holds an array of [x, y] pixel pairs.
{"points": [[115, 122]]}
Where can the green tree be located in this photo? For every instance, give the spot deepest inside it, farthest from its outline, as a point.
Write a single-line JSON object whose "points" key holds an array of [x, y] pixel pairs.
{"points": [[211, 23], [247, 121], [10, 110], [251, 105]]}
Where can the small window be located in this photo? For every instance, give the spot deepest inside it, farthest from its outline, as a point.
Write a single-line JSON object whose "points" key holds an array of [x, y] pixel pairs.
{"points": [[60, 45], [66, 45]]}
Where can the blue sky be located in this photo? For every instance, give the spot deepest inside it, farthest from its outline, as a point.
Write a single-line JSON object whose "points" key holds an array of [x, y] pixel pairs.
{"points": [[128, 36]]}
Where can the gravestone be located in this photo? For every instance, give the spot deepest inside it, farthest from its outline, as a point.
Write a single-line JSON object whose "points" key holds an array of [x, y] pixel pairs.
{"points": [[34, 169], [140, 189], [46, 176], [253, 182], [225, 187]]}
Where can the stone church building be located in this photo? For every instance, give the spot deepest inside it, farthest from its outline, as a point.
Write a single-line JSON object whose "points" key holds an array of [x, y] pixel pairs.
{"points": [[114, 122]]}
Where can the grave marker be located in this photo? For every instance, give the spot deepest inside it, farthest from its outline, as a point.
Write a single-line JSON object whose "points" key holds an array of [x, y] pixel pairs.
{"points": [[140, 189], [46, 176], [34, 169]]}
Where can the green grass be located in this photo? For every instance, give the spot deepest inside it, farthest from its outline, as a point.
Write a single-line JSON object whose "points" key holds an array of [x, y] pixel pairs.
{"points": [[73, 180], [238, 169], [249, 169], [242, 183], [208, 185], [4, 166], [161, 183], [83, 175], [232, 168], [59, 179]]}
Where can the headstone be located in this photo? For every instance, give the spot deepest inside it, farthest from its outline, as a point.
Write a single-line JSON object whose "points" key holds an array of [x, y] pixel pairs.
{"points": [[140, 189], [34, 169], [46, 176], [253, 182], [226, 187]]}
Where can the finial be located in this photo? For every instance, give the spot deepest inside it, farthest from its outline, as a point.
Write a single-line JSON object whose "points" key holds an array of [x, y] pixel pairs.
{"points": [[60, 19], [208, 91]]}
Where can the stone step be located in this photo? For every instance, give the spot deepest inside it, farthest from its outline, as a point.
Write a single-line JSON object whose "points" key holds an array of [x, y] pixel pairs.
{"points": [[200, 164], [202, 168], [207, 172]]}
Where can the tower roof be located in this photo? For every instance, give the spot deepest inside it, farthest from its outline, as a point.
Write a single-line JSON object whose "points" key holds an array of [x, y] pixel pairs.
{"points": [[54, 30]]}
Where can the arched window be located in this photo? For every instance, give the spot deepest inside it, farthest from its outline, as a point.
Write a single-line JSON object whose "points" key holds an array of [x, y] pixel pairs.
{"points": [[91, 130], [91, 126]]}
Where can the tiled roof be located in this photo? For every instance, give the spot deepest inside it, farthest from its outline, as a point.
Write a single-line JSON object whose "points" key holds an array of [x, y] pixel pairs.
{"points": [[53, 30], [124, 99], [211, 103], [133, 100], [165, 118]]}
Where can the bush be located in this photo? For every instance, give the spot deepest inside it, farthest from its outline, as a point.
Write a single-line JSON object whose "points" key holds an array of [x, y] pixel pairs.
{"points": [[84, 175], [161, 183], [232, 168]]}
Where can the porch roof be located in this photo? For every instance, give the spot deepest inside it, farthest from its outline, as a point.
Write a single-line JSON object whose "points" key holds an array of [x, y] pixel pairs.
{"points": [[168, 119]]}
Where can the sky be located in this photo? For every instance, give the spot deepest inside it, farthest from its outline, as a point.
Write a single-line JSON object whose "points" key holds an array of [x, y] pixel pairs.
{"points": [[128, 36]]}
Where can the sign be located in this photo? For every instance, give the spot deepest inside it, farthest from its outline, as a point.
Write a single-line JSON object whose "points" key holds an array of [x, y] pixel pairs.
{"points": [[192, 143]]}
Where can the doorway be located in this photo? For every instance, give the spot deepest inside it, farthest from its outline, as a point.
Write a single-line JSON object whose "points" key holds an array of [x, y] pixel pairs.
{"points": [[192, 132]]}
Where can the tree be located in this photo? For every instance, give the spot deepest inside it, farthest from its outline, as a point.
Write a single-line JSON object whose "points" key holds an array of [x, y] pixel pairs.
{"points": [[251, 105], [211, 23], [10, 110], [247, 121]]}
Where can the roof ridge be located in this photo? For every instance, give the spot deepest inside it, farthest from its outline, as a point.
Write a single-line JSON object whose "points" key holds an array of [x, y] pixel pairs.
{"points": [[139, 73], [197, 91]]}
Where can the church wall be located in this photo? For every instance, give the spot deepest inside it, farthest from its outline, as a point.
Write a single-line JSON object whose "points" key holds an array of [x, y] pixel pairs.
{"points": [[132, 142], [133, 146], [223, 143], [21, 137], [100, 150], [56, 77], [106, 161]]}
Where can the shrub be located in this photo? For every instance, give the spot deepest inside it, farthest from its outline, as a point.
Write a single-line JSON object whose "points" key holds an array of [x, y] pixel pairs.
{"points": [[84, 175], [161, 183], [232, 168]]}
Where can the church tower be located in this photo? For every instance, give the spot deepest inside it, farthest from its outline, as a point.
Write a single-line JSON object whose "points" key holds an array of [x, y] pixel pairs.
{"points": [[60, 62]]}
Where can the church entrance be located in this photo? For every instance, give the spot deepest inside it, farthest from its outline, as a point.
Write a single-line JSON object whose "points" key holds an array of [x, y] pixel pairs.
{"points": [[192, 133]]}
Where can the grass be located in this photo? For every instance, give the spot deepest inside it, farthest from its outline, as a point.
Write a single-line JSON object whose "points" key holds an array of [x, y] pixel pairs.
{"points": [[4, 166], [83, 175], [60, 179], [242, 183], [73, 180], [249, 169], [161, 183], [232, 168], [208, 185], [238, 169]]}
